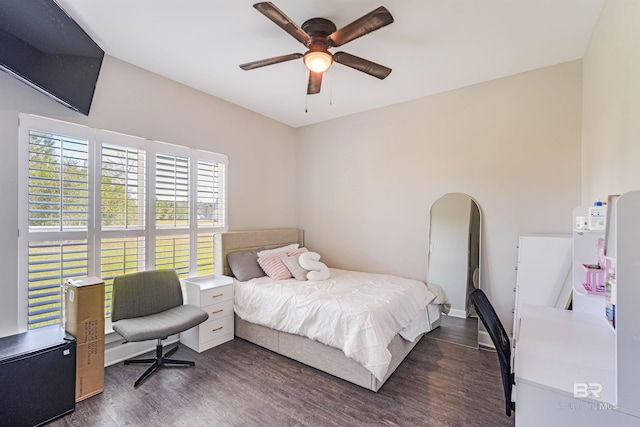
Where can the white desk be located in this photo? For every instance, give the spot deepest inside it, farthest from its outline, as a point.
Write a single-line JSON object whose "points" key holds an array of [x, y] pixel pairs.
{"points": [[555, 350]]}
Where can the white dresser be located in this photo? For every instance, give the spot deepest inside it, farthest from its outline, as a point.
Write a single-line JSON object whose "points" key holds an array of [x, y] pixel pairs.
{"points": [[543, 272], [214, 294]]}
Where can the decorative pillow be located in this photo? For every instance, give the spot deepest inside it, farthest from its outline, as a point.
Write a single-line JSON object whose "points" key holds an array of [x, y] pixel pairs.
{"points": [[274, 267], [285, 249], [317, 270], [291, 262], [244, 265], [297, 251]]}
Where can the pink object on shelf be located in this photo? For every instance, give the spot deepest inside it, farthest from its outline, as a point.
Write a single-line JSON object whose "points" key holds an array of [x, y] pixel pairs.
{"points": [[598, 291], [594, 282]]}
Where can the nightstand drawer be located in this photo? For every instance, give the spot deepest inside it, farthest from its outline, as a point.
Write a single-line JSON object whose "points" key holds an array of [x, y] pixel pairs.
{"points": [[214, 328], [216, 311], [216, 295]]}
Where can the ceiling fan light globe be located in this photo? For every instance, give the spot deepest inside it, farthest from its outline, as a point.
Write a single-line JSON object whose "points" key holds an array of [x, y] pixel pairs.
{"points": [[318, 62]]}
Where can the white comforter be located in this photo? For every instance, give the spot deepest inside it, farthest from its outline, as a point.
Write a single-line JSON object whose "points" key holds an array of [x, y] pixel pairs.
{"points": [[357, 312]]}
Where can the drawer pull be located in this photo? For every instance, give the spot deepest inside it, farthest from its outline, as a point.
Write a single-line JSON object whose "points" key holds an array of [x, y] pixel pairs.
{"points": [[217, 311], [216, 329], [216, 296]]}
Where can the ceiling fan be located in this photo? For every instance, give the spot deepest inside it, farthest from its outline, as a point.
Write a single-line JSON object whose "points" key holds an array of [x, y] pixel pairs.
{"points": [[319, 35]]}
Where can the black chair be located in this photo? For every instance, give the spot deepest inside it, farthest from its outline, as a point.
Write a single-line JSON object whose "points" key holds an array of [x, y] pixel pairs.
{"points": [[148, 306], [500, 339]]}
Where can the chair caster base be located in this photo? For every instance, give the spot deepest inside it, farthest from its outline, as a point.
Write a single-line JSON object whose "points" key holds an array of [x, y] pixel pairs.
{"points": [[159, 361]]}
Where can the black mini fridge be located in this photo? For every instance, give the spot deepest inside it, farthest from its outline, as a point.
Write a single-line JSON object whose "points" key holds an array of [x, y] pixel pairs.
{"points": [[37, 376]]}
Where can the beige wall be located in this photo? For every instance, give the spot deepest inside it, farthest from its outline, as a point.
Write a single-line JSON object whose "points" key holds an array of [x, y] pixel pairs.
{"points": [[611, 103], [366, 182], [360, 186], [130, 100]]}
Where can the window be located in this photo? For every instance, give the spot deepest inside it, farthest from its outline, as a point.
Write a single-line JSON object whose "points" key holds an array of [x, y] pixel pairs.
{"points": [[98, 203]]}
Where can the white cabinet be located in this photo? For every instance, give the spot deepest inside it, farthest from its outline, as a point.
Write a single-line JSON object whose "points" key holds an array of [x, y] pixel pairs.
{"points": [[626, 247], [543, 277], [571, 367], [214, 294]]}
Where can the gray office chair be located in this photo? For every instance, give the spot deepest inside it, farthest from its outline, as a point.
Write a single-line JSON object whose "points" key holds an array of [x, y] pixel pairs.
{"points": [[148, 306]]}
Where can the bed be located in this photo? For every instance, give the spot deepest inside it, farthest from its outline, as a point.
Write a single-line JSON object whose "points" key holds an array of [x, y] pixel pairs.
{"points": [[309, 351]]}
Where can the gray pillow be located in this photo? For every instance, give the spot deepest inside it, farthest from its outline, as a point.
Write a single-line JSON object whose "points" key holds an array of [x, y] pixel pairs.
{"points": [[244, 265], [295, 268]]}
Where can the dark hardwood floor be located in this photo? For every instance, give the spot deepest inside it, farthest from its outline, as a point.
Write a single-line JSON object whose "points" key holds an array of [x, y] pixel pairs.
{"points": [[457, 330], [241, 384]]}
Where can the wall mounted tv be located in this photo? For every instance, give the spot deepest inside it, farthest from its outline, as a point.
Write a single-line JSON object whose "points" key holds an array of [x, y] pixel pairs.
{"points": [[42, 46]]}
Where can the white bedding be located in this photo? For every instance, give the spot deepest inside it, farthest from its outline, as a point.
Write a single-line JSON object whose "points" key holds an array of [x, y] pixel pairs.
{"points": [[357, 312]]}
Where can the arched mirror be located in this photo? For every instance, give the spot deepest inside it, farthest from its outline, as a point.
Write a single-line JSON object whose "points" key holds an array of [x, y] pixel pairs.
{"points": [[454, 263]]}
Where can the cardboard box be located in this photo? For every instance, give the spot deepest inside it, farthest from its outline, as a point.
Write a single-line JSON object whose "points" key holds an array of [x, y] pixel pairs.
{"points": [[84, 319], [89, 369], [84, 309]]}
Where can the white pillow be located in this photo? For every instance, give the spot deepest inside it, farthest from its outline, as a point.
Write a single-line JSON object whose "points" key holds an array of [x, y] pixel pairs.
{"points": [[317, 270], [287, 248]]}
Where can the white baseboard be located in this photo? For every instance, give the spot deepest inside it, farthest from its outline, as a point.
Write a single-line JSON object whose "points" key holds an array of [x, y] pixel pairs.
{"points": [[484, 340], [454, 312]]}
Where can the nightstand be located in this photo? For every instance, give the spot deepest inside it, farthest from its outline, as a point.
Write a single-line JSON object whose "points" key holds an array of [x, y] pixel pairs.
{"points": [[214, 294]]}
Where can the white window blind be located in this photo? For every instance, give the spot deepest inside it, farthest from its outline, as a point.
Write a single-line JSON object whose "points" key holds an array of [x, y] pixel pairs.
{"points": [[210, 202], [123, 204], [98, 203], [172, 191], [123, 188], [55, 202], [58, 182], [172, 252], [204, 260], [51, 264], [210, 211]]}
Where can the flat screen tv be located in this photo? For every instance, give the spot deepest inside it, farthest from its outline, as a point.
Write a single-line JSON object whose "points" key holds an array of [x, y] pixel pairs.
{"points": [[42, 46]]}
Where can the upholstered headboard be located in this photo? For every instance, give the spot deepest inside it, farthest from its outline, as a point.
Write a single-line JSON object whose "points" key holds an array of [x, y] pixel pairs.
{"points": [[233, 241]]}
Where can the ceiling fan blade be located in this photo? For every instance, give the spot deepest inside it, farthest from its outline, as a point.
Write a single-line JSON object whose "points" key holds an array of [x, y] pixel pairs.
{"points": [[315, 81], [372, 21], [360, 64], [270, 61], [269, 10]]}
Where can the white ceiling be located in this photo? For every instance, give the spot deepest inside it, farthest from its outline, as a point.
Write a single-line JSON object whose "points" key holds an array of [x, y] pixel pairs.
{"points": [[433, 46]]}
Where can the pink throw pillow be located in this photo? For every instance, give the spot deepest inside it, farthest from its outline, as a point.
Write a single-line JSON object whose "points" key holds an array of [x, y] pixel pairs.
{"points": [[274, 267]]}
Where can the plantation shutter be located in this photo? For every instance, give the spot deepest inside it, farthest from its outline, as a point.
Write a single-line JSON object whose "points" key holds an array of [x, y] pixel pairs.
{"points": [[122, 209], [172, 191], [210, 210], [58, 221], [172, 243], [99, 203]]}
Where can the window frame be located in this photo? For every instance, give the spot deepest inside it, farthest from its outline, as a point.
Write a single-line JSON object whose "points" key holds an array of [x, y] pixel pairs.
{"points": [[95, 233]]}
